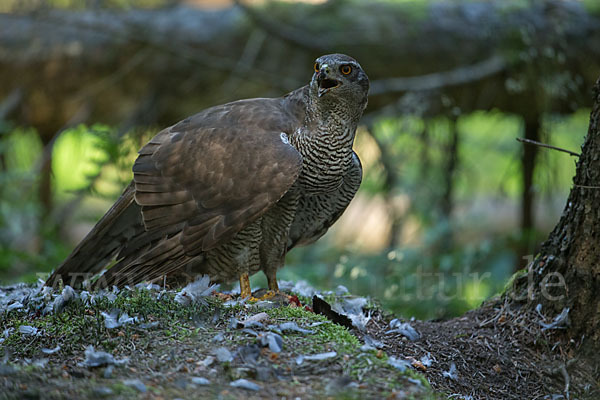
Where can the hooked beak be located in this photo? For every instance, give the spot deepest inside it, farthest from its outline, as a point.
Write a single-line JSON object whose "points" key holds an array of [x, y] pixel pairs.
{"points": [[326, 83]]}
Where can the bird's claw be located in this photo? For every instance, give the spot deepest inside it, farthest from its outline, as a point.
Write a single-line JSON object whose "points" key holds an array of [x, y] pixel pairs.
{"points": [[270, 294]]}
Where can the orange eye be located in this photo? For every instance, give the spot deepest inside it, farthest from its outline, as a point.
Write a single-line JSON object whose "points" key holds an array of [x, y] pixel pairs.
{"points": [[316, 67], [346, 69]]}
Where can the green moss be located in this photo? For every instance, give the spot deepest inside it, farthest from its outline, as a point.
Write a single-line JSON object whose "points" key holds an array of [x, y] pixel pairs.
{"points": [[122, 389], [325, 333], [514, 278], [365, 367], [296, 313], [80, 324], [178, 338]]}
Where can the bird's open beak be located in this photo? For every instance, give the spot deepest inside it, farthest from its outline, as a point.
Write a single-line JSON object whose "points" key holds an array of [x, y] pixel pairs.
{"points": [[326, 83]]}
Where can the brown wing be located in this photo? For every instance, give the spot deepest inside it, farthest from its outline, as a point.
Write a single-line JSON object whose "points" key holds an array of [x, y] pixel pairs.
{"points": [[217, 171], [108, 237], [195, 185]]}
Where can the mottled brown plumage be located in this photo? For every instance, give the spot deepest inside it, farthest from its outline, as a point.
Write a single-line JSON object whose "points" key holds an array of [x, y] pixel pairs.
{"points": [[230, 190]]}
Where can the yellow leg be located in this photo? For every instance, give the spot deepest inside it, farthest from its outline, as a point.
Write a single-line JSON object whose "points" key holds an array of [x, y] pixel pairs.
{"points": [[245, 290], [272, 281]]}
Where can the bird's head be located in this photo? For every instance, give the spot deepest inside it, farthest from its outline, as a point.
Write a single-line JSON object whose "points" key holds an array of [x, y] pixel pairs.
{"points": [[339, 78]]}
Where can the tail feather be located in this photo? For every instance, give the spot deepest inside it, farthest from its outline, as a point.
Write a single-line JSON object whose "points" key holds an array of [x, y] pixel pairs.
{"points": [[162, 258], [108, 237]]}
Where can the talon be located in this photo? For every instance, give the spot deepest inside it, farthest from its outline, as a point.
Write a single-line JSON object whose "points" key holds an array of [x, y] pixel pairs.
{"points": [[270, 294]]}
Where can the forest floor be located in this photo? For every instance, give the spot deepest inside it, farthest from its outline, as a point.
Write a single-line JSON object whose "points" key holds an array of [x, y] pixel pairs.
{"points": [[157, 344]]}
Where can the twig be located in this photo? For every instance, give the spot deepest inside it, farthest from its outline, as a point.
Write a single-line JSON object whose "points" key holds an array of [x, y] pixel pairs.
{"points": [[571, 153], [548, 146], [184, 50], [246, 61], [113, 78], [586, 187], [565, 374], [11, 102], [562, 370], [285, 32], [438, 80]]}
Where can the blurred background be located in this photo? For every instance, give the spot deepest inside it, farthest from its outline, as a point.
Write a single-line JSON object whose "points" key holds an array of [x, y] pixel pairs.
{"points": [[451, 204]]}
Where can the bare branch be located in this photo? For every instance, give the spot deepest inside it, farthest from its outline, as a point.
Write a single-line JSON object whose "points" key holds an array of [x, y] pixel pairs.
{"points": [[548, 146], [438, 80], [586, 186], [284, 32], [11, 102]]}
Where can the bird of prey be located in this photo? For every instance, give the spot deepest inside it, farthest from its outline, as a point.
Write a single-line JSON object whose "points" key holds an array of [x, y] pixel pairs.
{"points": [[228, 191]]}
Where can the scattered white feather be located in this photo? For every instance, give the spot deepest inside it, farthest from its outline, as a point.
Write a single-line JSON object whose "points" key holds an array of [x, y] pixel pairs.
{"points": [[198, 380], [51, 351], [28, 330], [115, 319], [561, 321], [95, 358], [223, 354], [353, 309], [195, 291], [315, 357], [403, 328], [397, 363], [245, 384], [451, 373]]}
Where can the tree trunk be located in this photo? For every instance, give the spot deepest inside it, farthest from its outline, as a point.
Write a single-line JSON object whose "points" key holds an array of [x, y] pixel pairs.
{"points": [[45, 180], [526, 243], [566, 274], [532, 132], [451, 164], [391, 181], [424, 156]]}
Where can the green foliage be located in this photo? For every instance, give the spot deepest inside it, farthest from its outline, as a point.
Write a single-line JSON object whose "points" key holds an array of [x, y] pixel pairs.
{"points": [[592, 6], [30, 5], [95, 160], [488, 155], [420, 281], [447, 267], [78, 156], [86, 160]]}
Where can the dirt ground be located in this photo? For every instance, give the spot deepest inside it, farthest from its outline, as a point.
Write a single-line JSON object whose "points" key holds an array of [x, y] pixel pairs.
{"points": [[499, 351], [149, 344]]}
